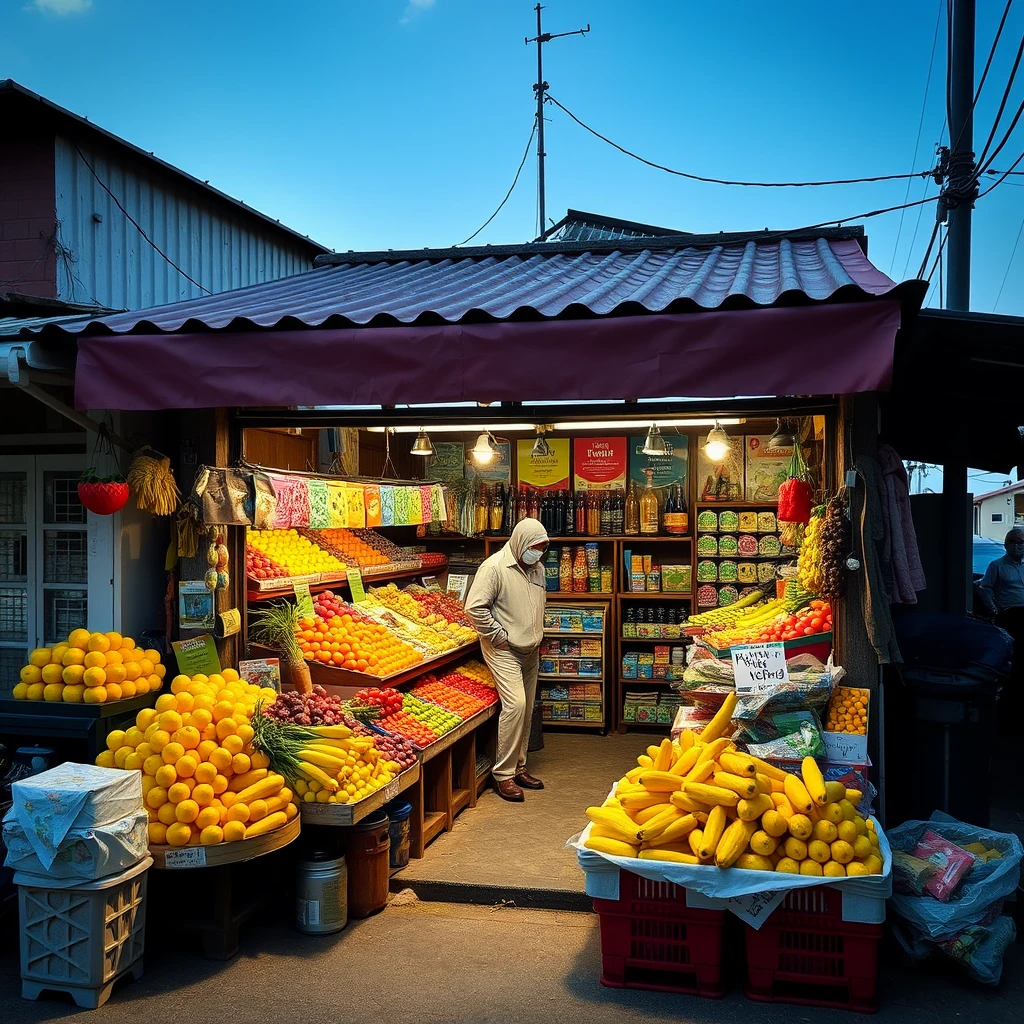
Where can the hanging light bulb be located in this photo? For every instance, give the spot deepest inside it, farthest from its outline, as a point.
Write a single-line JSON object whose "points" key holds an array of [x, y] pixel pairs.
{"points": [[422, 445], [655, 443], [541, 448], [781, 439], [483, 450], [718, 444]]}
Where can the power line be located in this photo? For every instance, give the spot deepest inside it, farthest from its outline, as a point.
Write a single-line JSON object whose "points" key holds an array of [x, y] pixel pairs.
{"points": [[920, 125], [722, 181], [1005, 175], [509, 192], [138, 226], [1002, 107], [1006, 274]]}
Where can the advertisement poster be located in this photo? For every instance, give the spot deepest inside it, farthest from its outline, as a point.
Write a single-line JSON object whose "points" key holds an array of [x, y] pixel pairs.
{"points": [[262, 672], [197, 656], [599, 463], [669, 468], [447, 464], [549, 473], [721, 481], [195, 605], [498, 470], [765, 473]]}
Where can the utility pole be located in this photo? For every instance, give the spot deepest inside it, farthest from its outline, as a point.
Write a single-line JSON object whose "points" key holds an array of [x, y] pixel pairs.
{"points": [[958, 195], [540, 88]]}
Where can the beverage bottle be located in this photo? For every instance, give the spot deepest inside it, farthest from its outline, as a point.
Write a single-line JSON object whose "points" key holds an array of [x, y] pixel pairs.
{"points": [[593, 515], [565, 572], [618, 513], [579, 570], [580, 524], [684, 515], [606, 512], [497, 510], [534, 504], [480, 511], [631, 524], [649, 508]]}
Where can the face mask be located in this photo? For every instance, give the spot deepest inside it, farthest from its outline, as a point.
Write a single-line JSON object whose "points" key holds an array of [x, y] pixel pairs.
{"points": [[531, 556]]}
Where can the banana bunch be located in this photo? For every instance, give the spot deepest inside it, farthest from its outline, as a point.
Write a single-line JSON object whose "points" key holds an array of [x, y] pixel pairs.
{"points": [[702, 801], [729, 614], [152, 482], [810, 564]]}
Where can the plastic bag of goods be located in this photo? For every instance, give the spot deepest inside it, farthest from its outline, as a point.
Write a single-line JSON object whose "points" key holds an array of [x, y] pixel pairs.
{"points": [[704, 668], [690, 717], [967, 896], [790, 736]]}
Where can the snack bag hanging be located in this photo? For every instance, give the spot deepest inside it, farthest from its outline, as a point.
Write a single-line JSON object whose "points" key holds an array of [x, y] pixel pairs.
{"points": [[415, 506], [319, 505], [371, 498], [337, 504]]}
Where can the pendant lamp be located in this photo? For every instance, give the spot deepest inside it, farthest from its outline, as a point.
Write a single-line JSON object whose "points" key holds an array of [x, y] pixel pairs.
{"points": [[483, 450], [655, 443], [422, 445], [718, 444]]}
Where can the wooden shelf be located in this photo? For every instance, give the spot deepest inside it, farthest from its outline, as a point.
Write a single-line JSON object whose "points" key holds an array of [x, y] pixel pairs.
{"points": [[728, 506], [644, 682], [579, 595], [370, 579], [563, 675], [456, 734], [652, 639], [434, 823], [590, 634], [173, 858], [607, 537], [653, 595], [350, 814], [749, 558], [558, 723], [460, 799]]}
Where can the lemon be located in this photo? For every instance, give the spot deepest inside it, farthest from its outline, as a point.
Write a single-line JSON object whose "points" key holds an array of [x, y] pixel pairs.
{"points": [[145, 667], [232, 743], [259, 760], [170, 720], [786, 865], [206, 773], [178, 834], [165, 813], [810, 867], [178, 792], [207, 816], [141, 686], [114, 691], [825, 831], [31, 674], [99, 642], [185, 703], [856, 869], [240, 764], [187, 811], [180, 684], [229, 675], [127, 643], [238, 812], [257, 810], [220, 758], [73, 656], [157, 833], [94, 677], [73, 694], [115, 674], [114, 641], [152, 764], [833, 869], [57, 654], [52, 674], [185, 766], [144, 719], [144, 750], [73, 675], [171, 751], [156, 797], [204, 795], [131, 671], [133, 763], [35, 690], [127, 689], [234, 831], [79, 638], [862, 848], [155, 682], [94, 659], [833, 813], [20, 691], [166, 775], [220, 784], [166, 702], [53, 691], [188, 736], [819, 850], [159, 670], [847, 831], [210, 733], [213, 834], [158, 739], [105, 759], [40, 657], [95, 695], [152, 655]]}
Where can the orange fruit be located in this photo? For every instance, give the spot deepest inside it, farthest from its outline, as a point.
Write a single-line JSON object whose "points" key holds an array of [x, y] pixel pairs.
{"points": [[113, 691], [95, 695], [178, 834], [94, 676], [73, 694], [115, 640], [99, 642], [95, 659], [79, 638]]}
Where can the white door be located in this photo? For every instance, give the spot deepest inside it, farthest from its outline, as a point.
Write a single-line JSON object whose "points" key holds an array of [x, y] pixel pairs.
{"points": [[56, 558]]}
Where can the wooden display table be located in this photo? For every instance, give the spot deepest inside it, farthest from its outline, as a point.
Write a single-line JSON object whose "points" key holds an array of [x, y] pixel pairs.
{"points": [[350, 814], [217, 865]]}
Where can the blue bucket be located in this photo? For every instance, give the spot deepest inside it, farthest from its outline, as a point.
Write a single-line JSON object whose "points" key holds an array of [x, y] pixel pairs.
{"points": [[398, 812]]}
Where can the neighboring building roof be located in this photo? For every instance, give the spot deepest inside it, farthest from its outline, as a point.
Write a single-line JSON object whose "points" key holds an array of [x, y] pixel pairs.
{"points": [[540, 280], [11, 91], [13, 326], [578, 226], [1002, 492]]}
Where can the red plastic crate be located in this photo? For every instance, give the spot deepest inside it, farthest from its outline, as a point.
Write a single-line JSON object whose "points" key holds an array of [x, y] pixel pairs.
{"points": [[806, 953], [650, 939]]}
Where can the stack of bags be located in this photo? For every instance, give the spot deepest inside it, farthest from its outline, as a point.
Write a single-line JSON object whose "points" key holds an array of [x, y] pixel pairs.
{"points": [[77, 836]]}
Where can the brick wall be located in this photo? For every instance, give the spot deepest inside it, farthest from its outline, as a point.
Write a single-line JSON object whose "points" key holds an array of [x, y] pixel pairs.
{"points": [[27, 215]]}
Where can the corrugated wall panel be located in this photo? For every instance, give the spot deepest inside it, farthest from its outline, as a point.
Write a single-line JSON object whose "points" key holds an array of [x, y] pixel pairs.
{"points": [[109, 262]]}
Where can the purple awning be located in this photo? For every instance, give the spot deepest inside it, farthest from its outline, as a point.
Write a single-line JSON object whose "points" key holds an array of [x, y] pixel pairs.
{"points": [[827, 349]]}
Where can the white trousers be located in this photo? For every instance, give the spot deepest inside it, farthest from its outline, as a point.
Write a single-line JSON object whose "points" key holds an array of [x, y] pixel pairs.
{"points": [[515, 673]]}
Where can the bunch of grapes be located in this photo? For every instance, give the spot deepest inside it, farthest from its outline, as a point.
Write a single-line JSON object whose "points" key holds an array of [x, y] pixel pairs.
{"points": [[834, 544], [316, 708]]}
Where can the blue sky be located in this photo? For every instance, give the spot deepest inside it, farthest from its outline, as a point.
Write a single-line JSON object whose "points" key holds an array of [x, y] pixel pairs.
{"points": [[400, 123]]}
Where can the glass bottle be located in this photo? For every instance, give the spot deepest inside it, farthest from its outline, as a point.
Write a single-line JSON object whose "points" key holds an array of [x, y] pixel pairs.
{"points": [[631, 524], [684, 515], [497, 512], [649, 508], [606, 512], [534, 504], [580, 521], [618, 513], [672, 518], [522, 505], [579, 570], [480, 511], [565, 572], [561, 512], [593, 515]]}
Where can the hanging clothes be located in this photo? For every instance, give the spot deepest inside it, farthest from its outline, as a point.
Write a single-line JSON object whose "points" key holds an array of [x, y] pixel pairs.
{"points": [[901, 551]]}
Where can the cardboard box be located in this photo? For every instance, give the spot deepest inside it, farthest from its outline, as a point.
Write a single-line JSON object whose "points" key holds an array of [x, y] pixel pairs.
{"points": [[590, 667], [593, 712], [560, 710], [548, 666], [676, 579], [568, 667], [661, 655], [577, 691], [593, 691], [629, 712], [590, 648], [549, 647], [576, 713], [639, 583], [660, 671], [555, 693], [645, 671], [592, 622], [569, 648]]}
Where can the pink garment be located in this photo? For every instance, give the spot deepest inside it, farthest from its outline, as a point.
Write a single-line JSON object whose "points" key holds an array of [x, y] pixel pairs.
{"points": [[901, 551], [292, 501]]}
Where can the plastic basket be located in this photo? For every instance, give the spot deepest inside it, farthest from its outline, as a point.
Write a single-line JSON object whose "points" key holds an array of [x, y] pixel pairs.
{"points": [[806, 953], [650, 939], [81, 938]]}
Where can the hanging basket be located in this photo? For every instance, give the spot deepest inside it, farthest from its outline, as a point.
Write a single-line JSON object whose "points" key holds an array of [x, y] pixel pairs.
{"points": [[104, 498]]}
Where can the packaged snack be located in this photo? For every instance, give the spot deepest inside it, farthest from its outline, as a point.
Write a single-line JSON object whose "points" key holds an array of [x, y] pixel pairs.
{"points": [[911, 874], [728, 521], [707, 572], [766, 572], [727, 572], [766, 522], [746, 572], [707, 595], [748, 522], [951, 864], [727, 595], [770, 545], [707, 545], [727, 544], [747, 545], [707, 521]]}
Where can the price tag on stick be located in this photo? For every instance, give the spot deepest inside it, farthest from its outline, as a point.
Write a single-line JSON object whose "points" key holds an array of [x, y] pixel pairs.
{"points": [[759, 667], [355, 584], [304, 600]]}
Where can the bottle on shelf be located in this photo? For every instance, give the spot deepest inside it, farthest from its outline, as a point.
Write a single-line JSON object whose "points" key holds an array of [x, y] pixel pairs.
{"points": [[551, 571], [681, 509], [618, 513], [497, 510], [562, 520], [534, 503], [481, 517], [649, 508], [673, 518], [631, 515], [579, 570], [508, 511], [606, 513], [593, 515], [580, 514]]}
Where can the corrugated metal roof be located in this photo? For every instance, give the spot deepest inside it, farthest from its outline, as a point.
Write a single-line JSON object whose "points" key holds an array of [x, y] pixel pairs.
{"points": [[526, 282], [12, 326], [579, 226]]}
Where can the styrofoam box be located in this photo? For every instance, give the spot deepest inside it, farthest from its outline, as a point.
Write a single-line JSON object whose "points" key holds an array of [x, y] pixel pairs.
{"points": [[85, 935]]}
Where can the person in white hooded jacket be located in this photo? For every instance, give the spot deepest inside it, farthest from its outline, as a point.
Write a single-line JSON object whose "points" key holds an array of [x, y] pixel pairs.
{"points": [[506, 604]]}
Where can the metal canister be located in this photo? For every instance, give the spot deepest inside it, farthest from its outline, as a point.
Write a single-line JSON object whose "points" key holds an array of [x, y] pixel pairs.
{"points": [[321, 894]]}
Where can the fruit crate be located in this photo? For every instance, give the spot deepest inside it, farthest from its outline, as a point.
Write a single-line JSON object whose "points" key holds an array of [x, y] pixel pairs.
{"points": [[805, 953], [650, 939], [82, 938]]}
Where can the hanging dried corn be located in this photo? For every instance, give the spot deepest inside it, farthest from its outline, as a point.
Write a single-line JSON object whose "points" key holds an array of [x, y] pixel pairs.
{"points": [[152, 482]]}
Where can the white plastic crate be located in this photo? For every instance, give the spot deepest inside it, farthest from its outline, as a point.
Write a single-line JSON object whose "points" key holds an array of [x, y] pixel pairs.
{"points": [[81, 938]]}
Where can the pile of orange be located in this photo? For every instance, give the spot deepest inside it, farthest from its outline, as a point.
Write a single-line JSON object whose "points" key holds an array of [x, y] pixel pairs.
{"points": [[345, 545], [90, 668], [848, 710], [362, 646]]}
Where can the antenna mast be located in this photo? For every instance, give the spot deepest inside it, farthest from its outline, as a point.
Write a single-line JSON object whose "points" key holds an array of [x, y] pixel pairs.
{"points": [[540, 88]]}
